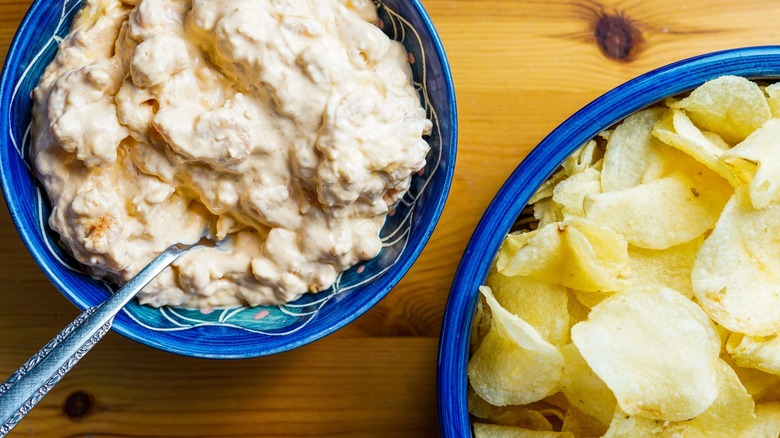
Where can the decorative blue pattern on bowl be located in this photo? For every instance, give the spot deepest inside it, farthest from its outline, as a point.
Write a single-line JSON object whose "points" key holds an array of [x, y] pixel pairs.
{"points": [[241, 331], [754, 62]]}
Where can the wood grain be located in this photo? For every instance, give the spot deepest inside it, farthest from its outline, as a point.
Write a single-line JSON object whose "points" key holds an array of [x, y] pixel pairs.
{"points": [[520, 69]]}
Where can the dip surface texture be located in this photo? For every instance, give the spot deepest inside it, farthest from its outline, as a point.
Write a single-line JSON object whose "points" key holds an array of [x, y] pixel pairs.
{"points": [[288, 128]]}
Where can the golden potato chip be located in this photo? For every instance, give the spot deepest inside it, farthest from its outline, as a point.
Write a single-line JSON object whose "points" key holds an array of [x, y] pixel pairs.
{"points": [[730, 106], [641, 214], [546, 189], [557, 400], [634, 426], [757, 161], [631, 151], [766, 424], [555, 415], [724, 334], [570, 193], [577, 311], [513, 365], [670, 267], [759, 352], [481, 325], [734, 276], [730, 413], [772, 394], [513, 243], [582, 425], [773, 93], [482, 430], [583, 388], [576, 253], [590, 299], [584, 157], [547, 212], [543, 305], [656, 350], [673, 160], [518, 416], [676, 129], [758, 383]]}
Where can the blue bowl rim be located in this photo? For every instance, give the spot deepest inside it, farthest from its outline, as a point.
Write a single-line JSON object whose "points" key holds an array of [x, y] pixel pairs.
{"points": [[13, 57], [752, 62]]}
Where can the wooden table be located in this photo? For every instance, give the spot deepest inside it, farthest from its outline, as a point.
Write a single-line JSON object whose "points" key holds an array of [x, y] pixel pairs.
{"points": [[520, 68]]}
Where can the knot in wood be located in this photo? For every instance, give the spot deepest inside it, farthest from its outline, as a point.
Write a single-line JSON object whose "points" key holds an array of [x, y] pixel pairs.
{"points": [[617, 37], [78, 405]]}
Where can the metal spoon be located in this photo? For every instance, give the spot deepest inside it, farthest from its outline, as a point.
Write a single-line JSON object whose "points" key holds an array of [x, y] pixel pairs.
{"points": [[33, 380]]}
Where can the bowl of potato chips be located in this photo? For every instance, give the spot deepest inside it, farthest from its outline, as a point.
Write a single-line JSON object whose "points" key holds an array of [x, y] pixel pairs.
{"points": [[625, 280]]}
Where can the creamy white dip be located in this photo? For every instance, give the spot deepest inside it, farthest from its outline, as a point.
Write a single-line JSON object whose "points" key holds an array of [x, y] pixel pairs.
{"points": [[287, 127]]}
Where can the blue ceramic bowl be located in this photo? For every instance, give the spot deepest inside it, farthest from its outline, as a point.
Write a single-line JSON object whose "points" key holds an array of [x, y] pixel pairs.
{"points": [[754, 63], [238, 332]]}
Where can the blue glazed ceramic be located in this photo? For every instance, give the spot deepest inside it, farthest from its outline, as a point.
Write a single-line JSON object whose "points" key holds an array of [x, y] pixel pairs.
{"points": [[754, 63], [235, 332]]}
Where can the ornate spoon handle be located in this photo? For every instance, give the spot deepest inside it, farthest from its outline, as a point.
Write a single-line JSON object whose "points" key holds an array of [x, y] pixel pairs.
{"points": [[33, 380]]}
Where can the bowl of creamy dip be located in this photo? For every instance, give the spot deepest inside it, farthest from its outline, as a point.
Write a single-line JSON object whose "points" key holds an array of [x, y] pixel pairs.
{"points": [[316, 140]]}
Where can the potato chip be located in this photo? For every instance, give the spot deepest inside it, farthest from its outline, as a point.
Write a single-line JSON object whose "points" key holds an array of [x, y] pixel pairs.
{"points": [[590, 299], [543, 305], [706, 182], [624, 425], [766, 424], [676, 129], [481, 325], [656, 350], [631, 151], [758, 383], [759, 352], [734, 276], [555, 415], [670, 267], [582, 425], [724, 334], [577, 311], [673, 160], [772, 394], [518, 416], [641, 214], [570, 193], [757, 161], [482, 430], [557, 400], [576, 253], [583, 158], [547, 212], [513, 365], [730, 106], [730, 413], [545, 191], [773, 99], [583, 388]]}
